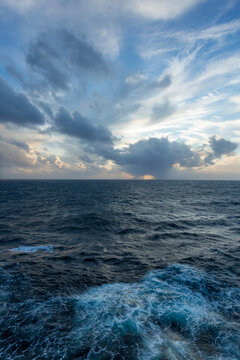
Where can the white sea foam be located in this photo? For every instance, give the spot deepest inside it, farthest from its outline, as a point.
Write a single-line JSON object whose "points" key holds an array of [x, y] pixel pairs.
{"points": [[176, 313], [162, 317]]}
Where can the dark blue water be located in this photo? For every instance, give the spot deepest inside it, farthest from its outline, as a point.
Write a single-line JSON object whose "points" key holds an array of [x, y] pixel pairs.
{"points": [[144, 270]]}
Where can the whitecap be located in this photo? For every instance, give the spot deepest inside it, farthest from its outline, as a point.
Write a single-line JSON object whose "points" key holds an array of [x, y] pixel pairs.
{"points": [[32, 249], [176, 313], [164, 316]]}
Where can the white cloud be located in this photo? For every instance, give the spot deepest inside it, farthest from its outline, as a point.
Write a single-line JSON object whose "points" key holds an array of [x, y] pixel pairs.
{"points": [[157, 43], [235, 104], [101, 20], [151, 9], [155, 9], [135, 78]]}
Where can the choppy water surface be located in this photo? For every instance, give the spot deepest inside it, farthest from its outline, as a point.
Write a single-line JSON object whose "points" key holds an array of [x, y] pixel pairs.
{"points": [[119, 270]]}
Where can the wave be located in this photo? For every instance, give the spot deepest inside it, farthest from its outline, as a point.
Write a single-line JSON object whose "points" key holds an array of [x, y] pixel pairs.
{"points": [[32, 249], [176, 313]]}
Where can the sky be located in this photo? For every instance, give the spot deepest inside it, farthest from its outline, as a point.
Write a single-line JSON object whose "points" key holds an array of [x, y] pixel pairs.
{"points": [[120, 89]]}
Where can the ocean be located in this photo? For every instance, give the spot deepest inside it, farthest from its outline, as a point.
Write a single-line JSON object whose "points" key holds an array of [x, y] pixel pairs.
{"points": [[119, 270]]}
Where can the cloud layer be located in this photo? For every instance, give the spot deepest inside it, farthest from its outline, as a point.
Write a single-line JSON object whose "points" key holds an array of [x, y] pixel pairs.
{"points": [[219, 148], [57, 55], [120, 88], [80, 127], [15, 108]]}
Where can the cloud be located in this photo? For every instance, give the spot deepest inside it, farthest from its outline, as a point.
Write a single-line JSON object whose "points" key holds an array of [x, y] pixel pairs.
{"points": [[12, 155], [132, 96], [19, 144], [136, 88], [13, 71], [162, 111], [16, 108], [17, 159], [163, 42], [211, 33], [56, 55], [219, 148], [19, 6], [141, 85], [155, 156], [150, 9], [46, 108], [52, 161], [81, 53], [80, 127], [155, 9], [43, 59]]}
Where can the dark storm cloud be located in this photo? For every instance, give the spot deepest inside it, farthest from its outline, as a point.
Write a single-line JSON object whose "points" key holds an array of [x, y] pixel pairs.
{"points": [[219, 147], [16, 108], [58, 54], [80, 127], [154, 157]]}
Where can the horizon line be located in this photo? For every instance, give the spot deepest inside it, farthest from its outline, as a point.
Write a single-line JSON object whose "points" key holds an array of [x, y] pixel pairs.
{"points": [[116, 179]]}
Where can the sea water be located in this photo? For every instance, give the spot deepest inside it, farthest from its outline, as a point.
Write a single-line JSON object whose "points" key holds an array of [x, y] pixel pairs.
{"points": [[119, 270]]}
